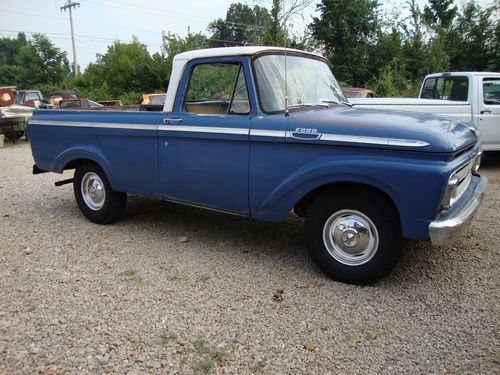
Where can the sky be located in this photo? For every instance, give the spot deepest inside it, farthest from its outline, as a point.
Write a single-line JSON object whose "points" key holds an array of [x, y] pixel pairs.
{"points": [[98, 23]]}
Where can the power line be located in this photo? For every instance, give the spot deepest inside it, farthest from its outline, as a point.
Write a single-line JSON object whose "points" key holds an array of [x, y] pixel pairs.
{"points": [[149, 10], [86, 38], [80, 21]]}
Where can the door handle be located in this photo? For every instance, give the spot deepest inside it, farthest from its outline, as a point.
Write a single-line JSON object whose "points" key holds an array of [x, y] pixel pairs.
{"points": [[172, 121], [485, 111]]}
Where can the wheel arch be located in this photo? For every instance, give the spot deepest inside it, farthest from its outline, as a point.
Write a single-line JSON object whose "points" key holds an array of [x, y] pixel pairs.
{"points": [[73, 158], [301, 206]]}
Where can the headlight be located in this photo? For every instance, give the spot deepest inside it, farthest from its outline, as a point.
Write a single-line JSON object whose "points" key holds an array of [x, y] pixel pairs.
{"points": [[457, 185], [477, 163]]}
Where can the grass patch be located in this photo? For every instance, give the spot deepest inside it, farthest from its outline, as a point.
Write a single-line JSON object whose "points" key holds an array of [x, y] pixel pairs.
{"points": [[203, 278], [205, 367], [259, 367], [210, 357], [129, 275], [167, 337]]}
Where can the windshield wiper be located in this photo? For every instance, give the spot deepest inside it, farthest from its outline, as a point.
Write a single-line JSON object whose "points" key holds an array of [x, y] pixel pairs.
{"points": [[337, 102], [302, 105]]}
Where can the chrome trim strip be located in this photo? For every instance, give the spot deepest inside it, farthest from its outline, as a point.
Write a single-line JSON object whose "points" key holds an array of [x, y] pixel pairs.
{"points": [[102, 125], [268, 133], [203, 129], [373, 140], [235, 131]]}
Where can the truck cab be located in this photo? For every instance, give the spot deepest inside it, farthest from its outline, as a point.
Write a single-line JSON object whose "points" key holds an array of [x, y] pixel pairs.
{"points": [[480, 90]]}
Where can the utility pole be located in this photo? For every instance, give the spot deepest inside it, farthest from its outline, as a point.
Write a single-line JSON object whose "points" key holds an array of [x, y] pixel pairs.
{"points": [[69, 5]]}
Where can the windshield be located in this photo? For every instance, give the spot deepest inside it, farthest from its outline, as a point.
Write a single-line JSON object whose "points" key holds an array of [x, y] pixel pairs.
{"points": [[310, 82]]}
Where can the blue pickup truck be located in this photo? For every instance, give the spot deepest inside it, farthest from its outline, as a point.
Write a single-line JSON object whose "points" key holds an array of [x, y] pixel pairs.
{"points": [[263, 132]]}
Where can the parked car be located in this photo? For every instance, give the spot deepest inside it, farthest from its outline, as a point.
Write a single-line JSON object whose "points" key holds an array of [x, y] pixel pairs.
{"points": [[466, 96], [56, 96], [13, 116], [79, 103], [363, 179], [356, 92], [152, 102], [29, 98]]}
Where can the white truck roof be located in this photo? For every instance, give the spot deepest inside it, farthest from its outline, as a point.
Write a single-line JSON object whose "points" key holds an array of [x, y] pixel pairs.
{"points": [[181, 59], [478, 74]]}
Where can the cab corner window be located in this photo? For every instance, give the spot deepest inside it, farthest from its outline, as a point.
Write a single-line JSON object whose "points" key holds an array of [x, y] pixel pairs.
{"points": [[217, 89], [491, 91], [453, 88]]}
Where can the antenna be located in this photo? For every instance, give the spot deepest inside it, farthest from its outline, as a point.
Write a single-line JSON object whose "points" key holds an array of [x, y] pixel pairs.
{"points": [[286, 80]]}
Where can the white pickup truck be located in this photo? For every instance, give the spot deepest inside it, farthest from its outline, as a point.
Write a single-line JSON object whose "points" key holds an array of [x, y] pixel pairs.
{"points": [[467, 96]]}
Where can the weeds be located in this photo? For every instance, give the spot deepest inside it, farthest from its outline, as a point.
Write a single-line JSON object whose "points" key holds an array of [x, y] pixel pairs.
{"points": [[210, 357], [167, 337], [259, 367], [129, 275]]}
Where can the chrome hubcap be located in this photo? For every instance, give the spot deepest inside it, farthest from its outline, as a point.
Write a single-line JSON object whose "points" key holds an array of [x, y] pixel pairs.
{"points": [[350, 237], [93, 192]]}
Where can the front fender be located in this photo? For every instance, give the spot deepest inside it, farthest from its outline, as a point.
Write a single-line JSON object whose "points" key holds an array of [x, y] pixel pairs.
{"points": [[403, 180]]}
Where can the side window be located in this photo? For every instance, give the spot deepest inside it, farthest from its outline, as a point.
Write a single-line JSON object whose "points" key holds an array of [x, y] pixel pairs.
{"points": [[459, 89], [32, 96], [217, 89], [240, 105], [491, 91], [428, 91]]}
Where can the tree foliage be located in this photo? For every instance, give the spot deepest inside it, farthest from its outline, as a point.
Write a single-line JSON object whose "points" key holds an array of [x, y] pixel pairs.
{"points": [[366, 47], [347, 29], [243, 25], [31, 63]]}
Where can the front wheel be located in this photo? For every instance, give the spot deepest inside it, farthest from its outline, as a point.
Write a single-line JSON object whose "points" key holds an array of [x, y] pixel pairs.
{"points": [[96, 199], [353, 235]]}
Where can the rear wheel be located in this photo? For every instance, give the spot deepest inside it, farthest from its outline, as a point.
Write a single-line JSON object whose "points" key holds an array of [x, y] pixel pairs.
{"points": [[14, 135], [96, 199], [353, 236]]}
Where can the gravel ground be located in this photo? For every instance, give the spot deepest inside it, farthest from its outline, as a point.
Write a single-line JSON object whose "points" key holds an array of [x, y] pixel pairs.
{"points": [[174, 289]]}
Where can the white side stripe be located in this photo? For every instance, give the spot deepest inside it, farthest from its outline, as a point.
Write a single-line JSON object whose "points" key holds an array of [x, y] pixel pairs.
{"points": [[268, 133], [102, 125], [237, 131], [373, 140], [203, 129]]}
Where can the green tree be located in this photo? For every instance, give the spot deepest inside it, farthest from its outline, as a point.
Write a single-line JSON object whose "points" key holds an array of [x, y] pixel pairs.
{"points": [[40, 62], [275, 34], [174, 44], [242, 25], [472, 43], [125, 72], [9, 49], [440, 13], [348, 30]]}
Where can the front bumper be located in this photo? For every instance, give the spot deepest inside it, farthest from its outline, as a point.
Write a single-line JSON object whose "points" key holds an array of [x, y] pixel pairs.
{"points": [[448, 228]]}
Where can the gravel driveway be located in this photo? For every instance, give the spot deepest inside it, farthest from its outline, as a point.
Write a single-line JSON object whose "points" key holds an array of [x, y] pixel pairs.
{"points": [[174, 289]]}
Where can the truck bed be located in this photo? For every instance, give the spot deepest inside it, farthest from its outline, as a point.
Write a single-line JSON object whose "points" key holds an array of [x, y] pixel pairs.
{"points": [[458, 110]]}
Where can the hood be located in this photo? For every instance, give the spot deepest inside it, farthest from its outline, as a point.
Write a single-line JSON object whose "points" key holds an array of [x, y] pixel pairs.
{"points": [[381, 128], [16, 110]]}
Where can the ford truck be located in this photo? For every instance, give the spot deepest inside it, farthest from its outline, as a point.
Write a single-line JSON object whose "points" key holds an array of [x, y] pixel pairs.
{"points": [[473, 97], [264, 132]]}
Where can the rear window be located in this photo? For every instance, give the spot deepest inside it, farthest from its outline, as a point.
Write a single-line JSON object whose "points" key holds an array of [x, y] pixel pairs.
{"points": [[491, 91], [454, 88]]}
